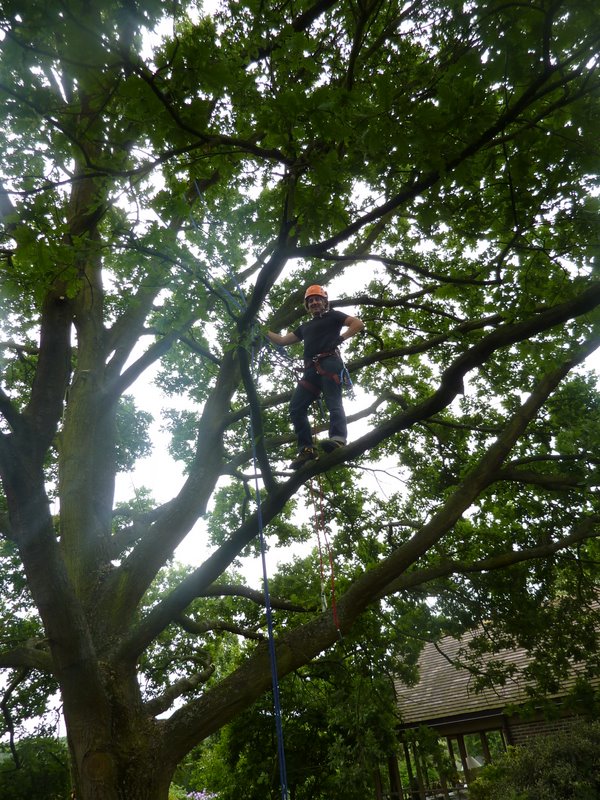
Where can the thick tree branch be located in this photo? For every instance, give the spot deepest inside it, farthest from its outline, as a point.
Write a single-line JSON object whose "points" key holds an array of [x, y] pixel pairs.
{"points": [[548, 458], [151, 355], [298, 646], [588, 528], [53, 370], [543, 480], [198, 628], [177, 517], [125, 333], [199, 350], [178, 688], [28, 656], [258, 597], [9, 412], [450, 385], [256, 418], [8, 212]]}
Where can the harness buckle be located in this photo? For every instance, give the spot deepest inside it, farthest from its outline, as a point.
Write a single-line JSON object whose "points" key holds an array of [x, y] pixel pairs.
{"points": [[319, 356]]}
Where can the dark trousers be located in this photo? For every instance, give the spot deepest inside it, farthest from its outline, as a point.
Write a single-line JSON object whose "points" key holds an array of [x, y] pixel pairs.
{"points": [[332, 394]]}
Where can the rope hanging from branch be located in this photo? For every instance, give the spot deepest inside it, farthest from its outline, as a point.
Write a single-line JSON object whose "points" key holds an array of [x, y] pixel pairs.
{"points": [[269, 615]]}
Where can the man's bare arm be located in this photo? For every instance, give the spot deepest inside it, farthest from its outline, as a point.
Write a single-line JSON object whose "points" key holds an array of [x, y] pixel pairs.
{"points": [[287, 338], [353, 326]]}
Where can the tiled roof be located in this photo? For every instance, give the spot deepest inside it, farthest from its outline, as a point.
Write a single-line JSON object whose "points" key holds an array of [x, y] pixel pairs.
{"points": [[445, 691]]}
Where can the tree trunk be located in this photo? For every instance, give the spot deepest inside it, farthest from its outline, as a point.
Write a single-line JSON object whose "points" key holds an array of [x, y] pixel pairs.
{"points": [[102, 777], [122, 757]]}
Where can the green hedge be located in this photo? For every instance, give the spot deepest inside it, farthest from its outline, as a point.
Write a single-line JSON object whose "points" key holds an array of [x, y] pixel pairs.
{"points": [[563, 766]]}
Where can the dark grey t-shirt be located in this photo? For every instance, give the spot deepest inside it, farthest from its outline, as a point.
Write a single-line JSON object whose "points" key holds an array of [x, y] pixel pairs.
{"points": [[321, 334]]}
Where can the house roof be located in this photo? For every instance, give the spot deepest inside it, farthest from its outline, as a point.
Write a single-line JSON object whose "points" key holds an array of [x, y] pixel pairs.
{"points": [[445, 691]]}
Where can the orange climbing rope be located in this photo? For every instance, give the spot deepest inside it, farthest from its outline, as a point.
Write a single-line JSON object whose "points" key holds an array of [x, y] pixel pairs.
{"points": [[320, 526]]}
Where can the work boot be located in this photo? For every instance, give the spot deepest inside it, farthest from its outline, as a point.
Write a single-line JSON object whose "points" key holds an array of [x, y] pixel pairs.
{"points": [[329, 445], [305, 455]]}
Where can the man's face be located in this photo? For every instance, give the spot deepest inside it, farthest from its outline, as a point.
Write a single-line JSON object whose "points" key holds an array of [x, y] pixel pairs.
{"points": [[315, 304]]}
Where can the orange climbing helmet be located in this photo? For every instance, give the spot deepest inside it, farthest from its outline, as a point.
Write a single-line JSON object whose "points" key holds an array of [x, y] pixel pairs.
{"points": [[313, 291]]}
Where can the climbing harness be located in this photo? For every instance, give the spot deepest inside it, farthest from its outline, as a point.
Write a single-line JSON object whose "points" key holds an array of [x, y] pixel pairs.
{"points": [[316, 362], [342, 377]]}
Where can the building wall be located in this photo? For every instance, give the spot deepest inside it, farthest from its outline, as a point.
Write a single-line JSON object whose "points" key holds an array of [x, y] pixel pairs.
{"points": [[520, 731]]}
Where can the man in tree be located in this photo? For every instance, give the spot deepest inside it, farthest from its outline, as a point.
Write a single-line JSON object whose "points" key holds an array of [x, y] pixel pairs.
{"points": [[322, 371]]}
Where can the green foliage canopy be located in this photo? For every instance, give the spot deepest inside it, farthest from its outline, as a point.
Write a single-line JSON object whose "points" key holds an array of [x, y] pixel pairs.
{"points": [[164, 200]]}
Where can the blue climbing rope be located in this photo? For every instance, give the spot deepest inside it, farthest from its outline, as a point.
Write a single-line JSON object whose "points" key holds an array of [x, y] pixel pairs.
{"points": [[268, 608], [269, 613]]}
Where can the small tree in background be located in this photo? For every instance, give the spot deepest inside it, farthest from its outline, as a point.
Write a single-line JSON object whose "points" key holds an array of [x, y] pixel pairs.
{"points": [[39, 768]]}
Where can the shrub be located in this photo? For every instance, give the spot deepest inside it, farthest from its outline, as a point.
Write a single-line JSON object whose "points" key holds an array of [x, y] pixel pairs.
{"points": [[563, 766], [43, 771]]}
